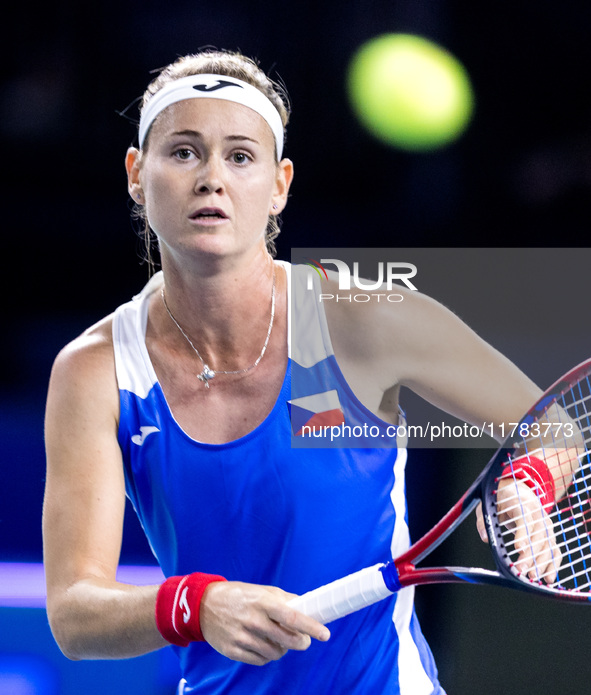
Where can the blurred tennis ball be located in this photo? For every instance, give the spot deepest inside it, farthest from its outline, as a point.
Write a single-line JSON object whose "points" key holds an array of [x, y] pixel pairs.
{"points": [[409, 92]]}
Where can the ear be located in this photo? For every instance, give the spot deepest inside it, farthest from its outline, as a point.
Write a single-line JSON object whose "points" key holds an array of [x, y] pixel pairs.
{"points": [[132, 166], [282, 183]]}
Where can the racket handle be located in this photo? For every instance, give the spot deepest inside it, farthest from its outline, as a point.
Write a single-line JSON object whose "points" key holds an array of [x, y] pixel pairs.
{"points": [[343, 596]]}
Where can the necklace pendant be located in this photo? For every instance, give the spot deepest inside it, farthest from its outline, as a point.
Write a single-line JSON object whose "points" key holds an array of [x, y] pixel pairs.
{"points": [[206, 375]]}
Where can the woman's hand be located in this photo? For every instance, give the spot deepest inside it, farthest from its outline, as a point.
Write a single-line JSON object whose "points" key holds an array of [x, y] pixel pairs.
{"points": [[538, 556], [254, 624]]}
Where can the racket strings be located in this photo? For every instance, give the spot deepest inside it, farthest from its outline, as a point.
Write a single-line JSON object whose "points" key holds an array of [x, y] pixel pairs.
{"points": [[558, 543], [551, 544], [564, 550]]}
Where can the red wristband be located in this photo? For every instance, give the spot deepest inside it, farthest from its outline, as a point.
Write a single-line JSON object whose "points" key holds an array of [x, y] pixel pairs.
{"points": [[536, 475], [177, 607]]}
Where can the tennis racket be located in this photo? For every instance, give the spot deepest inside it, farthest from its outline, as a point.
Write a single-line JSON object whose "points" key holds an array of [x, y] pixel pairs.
{"points": [[535, 494]]}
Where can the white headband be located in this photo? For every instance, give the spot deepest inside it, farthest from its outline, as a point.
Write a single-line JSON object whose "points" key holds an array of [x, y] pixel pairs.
{"points": [[212, 87]]}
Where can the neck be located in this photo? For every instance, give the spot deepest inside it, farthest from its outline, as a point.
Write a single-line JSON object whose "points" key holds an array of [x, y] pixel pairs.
{"points": [[225, 312]]}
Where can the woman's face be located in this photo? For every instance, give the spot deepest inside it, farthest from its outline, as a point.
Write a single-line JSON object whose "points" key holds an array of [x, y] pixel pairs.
{"points": [[208, 178]]}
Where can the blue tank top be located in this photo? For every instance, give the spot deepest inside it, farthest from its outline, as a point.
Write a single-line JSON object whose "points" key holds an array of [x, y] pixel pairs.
{"points": [[261, 510]]}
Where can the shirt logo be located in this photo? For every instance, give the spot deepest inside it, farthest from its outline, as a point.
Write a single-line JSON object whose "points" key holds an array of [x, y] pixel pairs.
{"points": [[140, 438]]}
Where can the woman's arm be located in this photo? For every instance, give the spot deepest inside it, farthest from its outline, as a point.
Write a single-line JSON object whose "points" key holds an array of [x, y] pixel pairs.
{"points": [[91, 614], [420, 344], [449, 365]]}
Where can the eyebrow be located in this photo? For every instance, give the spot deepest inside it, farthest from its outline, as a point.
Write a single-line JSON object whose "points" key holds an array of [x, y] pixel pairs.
{"points": [[197, 134]]}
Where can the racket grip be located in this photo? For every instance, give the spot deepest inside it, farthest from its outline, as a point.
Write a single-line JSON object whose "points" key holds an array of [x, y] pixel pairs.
{"points": [[343, 596]]}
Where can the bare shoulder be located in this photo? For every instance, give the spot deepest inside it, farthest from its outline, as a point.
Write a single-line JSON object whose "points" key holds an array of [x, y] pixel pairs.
{"points": [[91, 352], [85, 367]]}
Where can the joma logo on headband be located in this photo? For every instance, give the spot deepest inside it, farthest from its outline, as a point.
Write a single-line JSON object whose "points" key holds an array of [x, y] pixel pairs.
{"points": [[213, 87]]}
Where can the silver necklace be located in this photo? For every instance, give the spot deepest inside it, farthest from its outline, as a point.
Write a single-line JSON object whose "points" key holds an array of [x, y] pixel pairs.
{"points": [[207, 374]]}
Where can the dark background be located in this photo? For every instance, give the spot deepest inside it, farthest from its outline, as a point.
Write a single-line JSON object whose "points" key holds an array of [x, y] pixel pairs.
{"points": [[519, 177]]}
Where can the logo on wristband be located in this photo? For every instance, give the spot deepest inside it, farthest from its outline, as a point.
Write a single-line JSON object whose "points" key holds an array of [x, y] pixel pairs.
{"points": [[184, 606]]}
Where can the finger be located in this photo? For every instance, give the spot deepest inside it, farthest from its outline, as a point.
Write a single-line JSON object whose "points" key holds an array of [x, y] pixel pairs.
{"points": [[523, 544], [295, 622], [556, 560], [284, 637], [541, 555], [254, 651], [267, 640], [480, 523], [548, 555]]}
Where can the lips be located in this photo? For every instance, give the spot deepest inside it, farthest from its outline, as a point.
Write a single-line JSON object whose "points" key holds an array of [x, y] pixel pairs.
{"points": [[209, 214]]}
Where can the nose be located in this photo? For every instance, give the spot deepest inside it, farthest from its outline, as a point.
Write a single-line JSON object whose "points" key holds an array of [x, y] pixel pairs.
{"points": [[210, 176]]}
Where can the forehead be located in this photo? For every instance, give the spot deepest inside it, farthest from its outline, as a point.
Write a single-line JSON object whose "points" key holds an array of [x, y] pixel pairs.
{"points": [[212, 118]]}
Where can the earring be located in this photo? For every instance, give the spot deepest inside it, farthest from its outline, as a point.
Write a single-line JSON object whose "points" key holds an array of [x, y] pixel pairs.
{"points": [[275, 206]]}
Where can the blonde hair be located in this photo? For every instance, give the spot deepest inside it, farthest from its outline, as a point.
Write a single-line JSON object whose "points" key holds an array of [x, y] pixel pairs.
{"points": [[229, 64]]}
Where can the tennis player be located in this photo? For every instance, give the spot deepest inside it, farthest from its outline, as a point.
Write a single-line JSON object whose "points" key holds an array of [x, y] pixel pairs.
{"points": [[181, 400]]}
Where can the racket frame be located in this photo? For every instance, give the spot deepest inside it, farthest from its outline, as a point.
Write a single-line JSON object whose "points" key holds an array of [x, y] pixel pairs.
{"points": [[402, 572]]}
